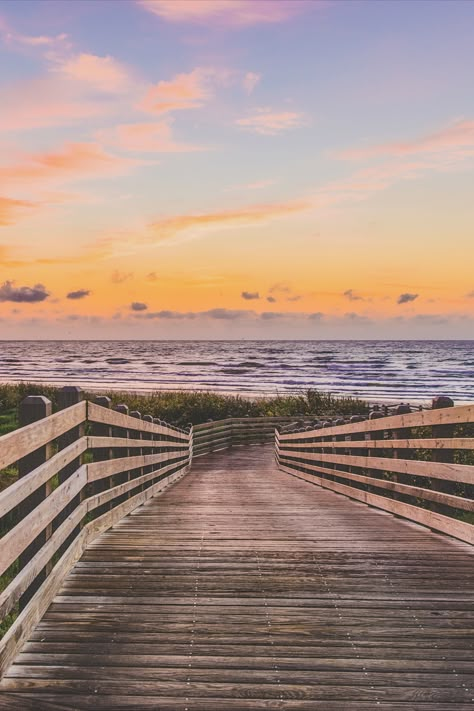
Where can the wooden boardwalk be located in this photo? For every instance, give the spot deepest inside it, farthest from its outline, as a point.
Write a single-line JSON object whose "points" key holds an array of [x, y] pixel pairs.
{"points": [[243, 587]]}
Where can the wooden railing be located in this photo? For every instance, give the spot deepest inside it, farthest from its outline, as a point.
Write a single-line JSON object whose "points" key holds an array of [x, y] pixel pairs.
{"points": [[215, 435], [416, 465], [80, 471]]}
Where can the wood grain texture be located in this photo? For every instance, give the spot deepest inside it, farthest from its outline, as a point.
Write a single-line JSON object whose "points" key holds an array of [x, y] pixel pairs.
{"points": [[18, 538], [18, 491], [438, 470], [244, 588], [96, 413], [22, 442], [446, 416]]}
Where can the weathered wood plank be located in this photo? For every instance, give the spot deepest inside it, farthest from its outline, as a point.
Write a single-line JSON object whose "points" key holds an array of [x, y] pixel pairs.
{"points": [[96, 413], [18, 538], [98, 442], [439, 470], [421, 443], [431, 519], [99, 470], [463, 414], [13, 495], [20, 443], [457, 502]]}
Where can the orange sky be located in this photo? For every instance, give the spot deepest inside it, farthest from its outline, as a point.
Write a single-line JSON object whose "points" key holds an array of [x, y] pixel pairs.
{"points": [[217, 169]]}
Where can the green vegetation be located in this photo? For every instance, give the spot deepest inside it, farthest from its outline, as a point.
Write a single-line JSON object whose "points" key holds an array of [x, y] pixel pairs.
{"points": [[182, 408]]}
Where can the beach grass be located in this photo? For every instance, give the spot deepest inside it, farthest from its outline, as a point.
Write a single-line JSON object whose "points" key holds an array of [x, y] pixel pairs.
{"points": [[182, 408]]}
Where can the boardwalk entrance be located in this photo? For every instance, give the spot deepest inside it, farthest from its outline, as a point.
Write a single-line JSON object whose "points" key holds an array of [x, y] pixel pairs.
{"points": [[243, 587]]}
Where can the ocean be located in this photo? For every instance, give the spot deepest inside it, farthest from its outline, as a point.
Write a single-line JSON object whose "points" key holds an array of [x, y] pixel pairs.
{"points": [[385, 371]]}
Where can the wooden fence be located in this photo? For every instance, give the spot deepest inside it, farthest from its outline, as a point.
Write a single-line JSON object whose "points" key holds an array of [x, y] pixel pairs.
{"points": [[80, 471], [215, 435], [417, 465]]}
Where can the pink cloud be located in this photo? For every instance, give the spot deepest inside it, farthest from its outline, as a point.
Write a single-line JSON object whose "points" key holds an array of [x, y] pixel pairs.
{"points": [[270, 123], [457, 136], [184, 91], [44, 102], [11, 210], [103, 73], [73, 161], [238, 13], [169, 227], [11, 37], [151, 137], [250, 81]]}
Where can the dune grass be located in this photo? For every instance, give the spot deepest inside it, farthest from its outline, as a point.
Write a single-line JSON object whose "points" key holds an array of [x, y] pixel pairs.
{"points": [[182, 408]]}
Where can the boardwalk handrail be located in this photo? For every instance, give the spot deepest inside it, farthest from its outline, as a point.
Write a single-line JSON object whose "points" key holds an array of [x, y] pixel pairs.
{"points": [[415, 465], [215, 435], [81, 470]]}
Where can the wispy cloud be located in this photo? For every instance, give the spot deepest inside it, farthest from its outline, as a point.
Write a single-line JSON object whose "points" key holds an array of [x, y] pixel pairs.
{"points": [[250, 81], [269, 122], [184, 91], [255, 185], [138, 306], [12, 37], [43, 102], [250, 295], [352, 296], [280, 288], [170, 227], [459, 136], [73, 160], [103, 73], [79, 294], [406, 298], [11, 210], [233, 13], [119, 277], [146, 137]]}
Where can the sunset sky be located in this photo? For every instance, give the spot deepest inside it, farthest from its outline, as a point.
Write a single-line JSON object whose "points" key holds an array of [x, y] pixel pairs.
{"points": [[236, 169]]}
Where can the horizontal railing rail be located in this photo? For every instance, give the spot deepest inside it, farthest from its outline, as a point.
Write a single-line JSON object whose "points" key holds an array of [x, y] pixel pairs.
{"points": [[215, 435], [80, 471], [418, 465]]}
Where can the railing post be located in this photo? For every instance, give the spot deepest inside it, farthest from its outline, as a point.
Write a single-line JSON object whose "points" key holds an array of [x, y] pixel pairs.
{"points": [[136, 450], [121, 452], [401, 433], [148, 436], [102, 454], [156, 450], [191, 442], [375, 414], [32, 409], [68, 396], [211, 432], [442, 455], [356, 452]]}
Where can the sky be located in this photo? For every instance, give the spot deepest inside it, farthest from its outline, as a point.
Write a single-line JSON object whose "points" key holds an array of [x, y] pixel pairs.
{"points": [[181, 169]]}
